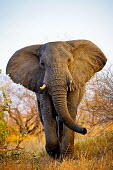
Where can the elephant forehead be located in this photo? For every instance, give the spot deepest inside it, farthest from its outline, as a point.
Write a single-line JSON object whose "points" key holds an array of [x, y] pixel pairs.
{"points": [[55, 45]]}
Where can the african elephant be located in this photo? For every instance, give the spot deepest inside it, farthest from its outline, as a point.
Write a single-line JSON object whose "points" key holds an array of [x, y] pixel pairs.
{"points": [[57, 72]]}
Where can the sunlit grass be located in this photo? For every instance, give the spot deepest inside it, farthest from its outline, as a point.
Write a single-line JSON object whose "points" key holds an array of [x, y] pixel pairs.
{"points": [[91, 152]]}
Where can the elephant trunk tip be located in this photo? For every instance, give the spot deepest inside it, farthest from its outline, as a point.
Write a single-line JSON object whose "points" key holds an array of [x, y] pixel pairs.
{"points": [[81, 130], [84, 131]]}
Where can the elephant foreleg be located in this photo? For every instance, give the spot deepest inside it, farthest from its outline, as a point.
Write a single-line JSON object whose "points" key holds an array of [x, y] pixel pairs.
{"points": [[39, 107], [68, 138], [49, 122]]}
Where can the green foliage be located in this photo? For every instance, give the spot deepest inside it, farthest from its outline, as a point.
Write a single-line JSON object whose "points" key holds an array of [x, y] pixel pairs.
{"points": [[4, 131], [7, 100], [3, 134], [24, 132]]}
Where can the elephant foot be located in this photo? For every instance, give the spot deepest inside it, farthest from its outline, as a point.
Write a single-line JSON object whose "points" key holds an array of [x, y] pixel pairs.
{"points": [[53, 150]]}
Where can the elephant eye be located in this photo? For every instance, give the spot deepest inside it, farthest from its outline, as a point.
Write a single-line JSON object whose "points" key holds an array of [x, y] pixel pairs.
{"points": [[69, 60], [42, 63]]}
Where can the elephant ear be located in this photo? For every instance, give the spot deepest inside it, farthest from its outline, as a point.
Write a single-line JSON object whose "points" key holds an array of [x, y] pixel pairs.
{"points": [[23, 67], [88, 59]]}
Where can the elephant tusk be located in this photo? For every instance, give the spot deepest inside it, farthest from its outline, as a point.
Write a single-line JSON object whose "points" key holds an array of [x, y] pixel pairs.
{"points": [[71, 82], [43, 87], [71, 85]]}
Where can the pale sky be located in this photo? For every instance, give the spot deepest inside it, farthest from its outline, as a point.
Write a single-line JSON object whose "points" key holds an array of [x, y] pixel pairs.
{"points": [[28, 22]]}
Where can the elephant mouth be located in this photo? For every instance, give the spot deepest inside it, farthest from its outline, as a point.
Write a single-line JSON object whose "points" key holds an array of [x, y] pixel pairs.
{"points": [[70, 86]]}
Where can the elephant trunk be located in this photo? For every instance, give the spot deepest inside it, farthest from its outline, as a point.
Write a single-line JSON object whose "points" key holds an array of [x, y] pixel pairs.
{"points": [[59, 98], [57, 87]]}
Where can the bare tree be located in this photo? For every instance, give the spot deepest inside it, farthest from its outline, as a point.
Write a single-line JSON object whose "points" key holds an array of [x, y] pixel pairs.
{"points": [[22, 107], [97, 105]]}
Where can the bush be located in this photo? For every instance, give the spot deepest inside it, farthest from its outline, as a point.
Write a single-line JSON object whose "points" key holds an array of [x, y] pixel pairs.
{"points": [[4, 130]]}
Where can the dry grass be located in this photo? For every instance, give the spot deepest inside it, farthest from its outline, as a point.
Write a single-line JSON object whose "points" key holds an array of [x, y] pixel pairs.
{"points": [[92, 152]]}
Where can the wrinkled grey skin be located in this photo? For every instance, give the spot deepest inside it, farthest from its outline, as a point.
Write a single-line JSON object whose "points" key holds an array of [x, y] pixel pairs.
{"points": [[64, 67]]}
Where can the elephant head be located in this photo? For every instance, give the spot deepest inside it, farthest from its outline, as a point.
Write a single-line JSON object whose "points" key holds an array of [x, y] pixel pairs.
{"points": [[57, 67]]}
